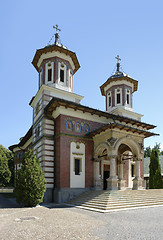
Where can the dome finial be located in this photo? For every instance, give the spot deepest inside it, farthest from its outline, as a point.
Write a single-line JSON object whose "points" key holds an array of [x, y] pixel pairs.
{"points": [[118, 62], [56, 35]]}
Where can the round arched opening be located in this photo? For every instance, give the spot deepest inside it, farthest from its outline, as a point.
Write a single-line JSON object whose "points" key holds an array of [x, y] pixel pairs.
{"points": [[126, 161]]}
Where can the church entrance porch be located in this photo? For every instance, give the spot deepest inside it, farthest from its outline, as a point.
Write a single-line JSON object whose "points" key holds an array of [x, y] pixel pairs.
{"points": [[119, 165]]}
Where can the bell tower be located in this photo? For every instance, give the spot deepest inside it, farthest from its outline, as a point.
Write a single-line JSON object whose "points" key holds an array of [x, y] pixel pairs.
{"points": [[118, 91], [56, 65]]}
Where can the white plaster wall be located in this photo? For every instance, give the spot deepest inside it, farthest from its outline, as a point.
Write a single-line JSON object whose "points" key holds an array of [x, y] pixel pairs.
{"points": [[77, 181]]}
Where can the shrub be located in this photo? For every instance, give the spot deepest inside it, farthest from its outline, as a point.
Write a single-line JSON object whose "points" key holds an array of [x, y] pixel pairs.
{"points": [[30, 181]]}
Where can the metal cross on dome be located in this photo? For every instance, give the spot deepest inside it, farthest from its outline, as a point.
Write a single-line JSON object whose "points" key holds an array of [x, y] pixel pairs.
{"points": [[118, 62], [118, 58], [56, 27]]}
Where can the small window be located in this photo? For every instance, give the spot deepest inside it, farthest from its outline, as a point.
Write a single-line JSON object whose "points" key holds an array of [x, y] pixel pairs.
{"points": [[49, 75], [61, 75], [109, 101], [118, 98], [40, 77], [71, 79], [77, 166], [128, 99]]}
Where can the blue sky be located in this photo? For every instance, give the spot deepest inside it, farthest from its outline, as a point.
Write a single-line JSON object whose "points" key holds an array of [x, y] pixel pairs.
{"points": [[97, 31]]}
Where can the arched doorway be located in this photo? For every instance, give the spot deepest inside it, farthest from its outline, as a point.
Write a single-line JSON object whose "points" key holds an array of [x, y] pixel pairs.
{"points": [[126, 166], [101, 166]]}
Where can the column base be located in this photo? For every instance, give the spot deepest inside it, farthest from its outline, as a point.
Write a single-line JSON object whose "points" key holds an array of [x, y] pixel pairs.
{"points": [[137, 184], [98, 185], [112, 183], [122, 184]]}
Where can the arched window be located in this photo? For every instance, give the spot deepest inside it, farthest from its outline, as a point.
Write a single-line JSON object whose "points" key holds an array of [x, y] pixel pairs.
{"points": [[118, 96], [40, 77], [49, 72], [62, 73], [127, 96], [109, 99]]}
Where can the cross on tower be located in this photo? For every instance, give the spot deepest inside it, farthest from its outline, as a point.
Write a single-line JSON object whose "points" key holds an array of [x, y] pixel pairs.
{"points": [[118, 58], [118, 62], [56, 27]]}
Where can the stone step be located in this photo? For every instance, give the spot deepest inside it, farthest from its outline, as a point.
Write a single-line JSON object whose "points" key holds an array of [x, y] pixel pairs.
{"points": [[119, 206], [116, 203], [112, 200], [119, 200]]}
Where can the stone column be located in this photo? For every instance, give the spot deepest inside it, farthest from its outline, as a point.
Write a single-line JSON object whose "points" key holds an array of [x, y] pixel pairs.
{"points": [[121, 181], [137, 182], [112, 180], [97, 179]]}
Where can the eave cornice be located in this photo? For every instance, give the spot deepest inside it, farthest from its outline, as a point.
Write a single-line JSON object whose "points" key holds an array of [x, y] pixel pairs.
{"points": [[127, 78], [121, 127], [52, 48], [57, 102]]}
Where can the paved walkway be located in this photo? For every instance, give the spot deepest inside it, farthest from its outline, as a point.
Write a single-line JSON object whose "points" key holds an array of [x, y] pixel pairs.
{"points": [[48, 223]]}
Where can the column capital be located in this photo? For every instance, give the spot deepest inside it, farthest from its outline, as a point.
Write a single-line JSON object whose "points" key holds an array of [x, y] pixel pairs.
{"points": [[96, 160], [137, 159]]}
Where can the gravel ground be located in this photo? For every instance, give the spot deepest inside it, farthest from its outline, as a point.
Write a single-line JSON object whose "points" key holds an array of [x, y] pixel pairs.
{"points": [[73, 223], [45, 223]]}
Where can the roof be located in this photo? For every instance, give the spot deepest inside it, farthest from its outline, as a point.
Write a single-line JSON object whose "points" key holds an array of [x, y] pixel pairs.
{"points": [[121, 127], [147, 162], [56, 102], [23, 140], [116, 77], [52, 48]]}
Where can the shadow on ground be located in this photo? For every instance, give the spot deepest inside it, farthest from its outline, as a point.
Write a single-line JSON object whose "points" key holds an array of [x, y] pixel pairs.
{"points": [[7, 201]]}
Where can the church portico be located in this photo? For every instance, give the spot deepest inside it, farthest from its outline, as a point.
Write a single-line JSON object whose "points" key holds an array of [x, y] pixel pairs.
{"points": [[122, 154]]}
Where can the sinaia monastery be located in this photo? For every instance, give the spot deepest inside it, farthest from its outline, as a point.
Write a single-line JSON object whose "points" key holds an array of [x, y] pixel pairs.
{"points": [[82, 148]]}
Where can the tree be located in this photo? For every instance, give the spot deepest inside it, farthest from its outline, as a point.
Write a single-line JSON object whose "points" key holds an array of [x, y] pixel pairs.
{"points": [[30, 181], [5, 173], [147, 152], [155, 179], [10, 159], [157, 147]]}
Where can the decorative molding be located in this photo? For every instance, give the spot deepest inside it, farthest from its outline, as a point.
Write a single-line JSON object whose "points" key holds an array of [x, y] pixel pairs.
{"points": [[112, 140], [141, 145], [79, 154]]}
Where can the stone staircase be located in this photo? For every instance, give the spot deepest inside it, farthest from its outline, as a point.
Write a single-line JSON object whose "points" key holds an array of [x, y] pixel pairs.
{"points": [[107, 201]]}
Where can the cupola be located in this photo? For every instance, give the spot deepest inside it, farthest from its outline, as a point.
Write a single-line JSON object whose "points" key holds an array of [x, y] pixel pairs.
{"points": [[118, 91], [56, 65]]}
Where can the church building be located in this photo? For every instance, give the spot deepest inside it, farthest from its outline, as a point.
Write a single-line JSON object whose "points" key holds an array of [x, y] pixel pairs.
{"points": [[82, 148]]}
